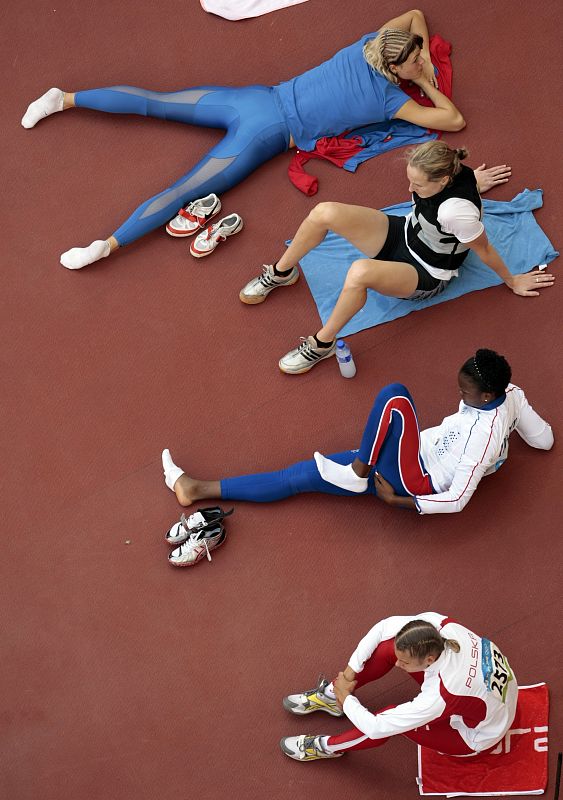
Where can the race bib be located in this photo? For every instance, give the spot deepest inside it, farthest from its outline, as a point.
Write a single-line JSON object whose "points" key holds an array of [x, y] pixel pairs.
{"points": [[496, 670]]}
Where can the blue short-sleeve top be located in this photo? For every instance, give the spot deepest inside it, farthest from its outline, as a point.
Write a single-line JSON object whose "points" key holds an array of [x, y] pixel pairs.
{"points": [[340, 94]]}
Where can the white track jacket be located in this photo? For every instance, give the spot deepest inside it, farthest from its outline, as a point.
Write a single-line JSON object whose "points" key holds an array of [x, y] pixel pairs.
{"points": [[475, 687], [473, 443]]}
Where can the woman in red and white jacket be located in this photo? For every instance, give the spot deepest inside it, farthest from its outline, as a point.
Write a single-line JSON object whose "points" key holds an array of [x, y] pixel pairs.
{"points": [[466, 703]]}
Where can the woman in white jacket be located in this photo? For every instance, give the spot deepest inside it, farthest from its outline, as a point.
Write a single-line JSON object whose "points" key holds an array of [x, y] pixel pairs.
{"points": [[434, 471], [466, 703]]}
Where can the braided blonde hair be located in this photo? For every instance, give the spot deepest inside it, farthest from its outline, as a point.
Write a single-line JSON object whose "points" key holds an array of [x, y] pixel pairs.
{"points": [[391, 46]]}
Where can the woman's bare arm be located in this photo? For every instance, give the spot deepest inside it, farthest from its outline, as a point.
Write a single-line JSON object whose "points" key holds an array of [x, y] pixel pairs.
{"points": [[414, 22], [443, 117]]}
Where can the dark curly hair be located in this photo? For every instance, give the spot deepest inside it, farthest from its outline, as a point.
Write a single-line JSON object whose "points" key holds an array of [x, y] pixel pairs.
{"points": [[489, 371]]}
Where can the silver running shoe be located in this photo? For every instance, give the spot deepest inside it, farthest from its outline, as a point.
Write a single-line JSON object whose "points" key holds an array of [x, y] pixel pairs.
{"points": [[198, 546], [304, 357], [305, 748], [258, 289], [313, 700]]}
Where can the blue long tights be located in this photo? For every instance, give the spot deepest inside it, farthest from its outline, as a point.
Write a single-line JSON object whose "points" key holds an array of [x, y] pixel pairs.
{"points": [[256, 131], [390, 444]]}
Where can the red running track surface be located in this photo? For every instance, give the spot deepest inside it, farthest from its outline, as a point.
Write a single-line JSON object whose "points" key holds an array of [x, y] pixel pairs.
{"points": [[123, 678]]}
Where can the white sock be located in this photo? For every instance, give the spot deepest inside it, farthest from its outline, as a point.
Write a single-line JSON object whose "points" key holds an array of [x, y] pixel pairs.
{"points": [[340, 475], [171, 471], [329, 691], [44, 106], [79, 257], [323, 741]]}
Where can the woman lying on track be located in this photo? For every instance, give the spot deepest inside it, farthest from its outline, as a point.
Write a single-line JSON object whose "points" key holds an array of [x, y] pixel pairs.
{"points": [[466, 704], [411, 257], [263, 121], [434, 471]]}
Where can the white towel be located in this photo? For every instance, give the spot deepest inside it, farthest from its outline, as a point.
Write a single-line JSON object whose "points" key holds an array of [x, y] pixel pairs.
{"points": [[242, 9]]}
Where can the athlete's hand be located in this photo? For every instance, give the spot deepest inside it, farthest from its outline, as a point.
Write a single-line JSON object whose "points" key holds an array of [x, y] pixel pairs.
{"points": [[428, 72], [385, 492], [342, 688], [529, 284], [422, 81], [489, 177], [384, 489]]}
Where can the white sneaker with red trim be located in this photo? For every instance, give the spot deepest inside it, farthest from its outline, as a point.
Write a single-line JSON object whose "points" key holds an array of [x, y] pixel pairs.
{"points": [[194, 216], [198, 546], [205, 243]]}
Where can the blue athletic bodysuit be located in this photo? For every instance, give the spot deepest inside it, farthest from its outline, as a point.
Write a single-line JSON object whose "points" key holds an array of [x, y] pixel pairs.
{"points": [[342, 93]]}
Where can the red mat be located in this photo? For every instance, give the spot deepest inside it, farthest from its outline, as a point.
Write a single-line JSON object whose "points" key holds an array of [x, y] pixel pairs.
{"points": [[123, 678], [518, 765]]}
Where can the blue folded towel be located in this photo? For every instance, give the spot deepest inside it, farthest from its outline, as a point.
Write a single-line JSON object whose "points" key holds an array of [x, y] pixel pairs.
{"points": [[510, 226]]}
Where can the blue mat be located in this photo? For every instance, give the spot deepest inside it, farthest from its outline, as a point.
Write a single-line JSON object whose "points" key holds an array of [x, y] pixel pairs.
{"points": [[510, 226]]}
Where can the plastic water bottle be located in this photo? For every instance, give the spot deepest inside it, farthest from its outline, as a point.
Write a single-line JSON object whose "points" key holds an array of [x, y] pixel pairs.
{"points": [[345, 360]]}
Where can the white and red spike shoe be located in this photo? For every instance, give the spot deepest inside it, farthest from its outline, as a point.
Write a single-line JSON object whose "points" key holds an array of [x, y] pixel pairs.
{"points": [[196, 522], [194, 216], [205, 243], [198, 546]]}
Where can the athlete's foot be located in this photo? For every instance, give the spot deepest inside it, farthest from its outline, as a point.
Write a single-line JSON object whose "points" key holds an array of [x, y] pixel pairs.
{"points": [[49, 103], [79, 257], [177, 480], [186, 489]]}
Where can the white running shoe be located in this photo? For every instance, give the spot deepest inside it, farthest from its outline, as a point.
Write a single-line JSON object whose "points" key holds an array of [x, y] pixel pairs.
{"points": [[205, 243], [198, 546], [304, 357], [196, 522], [258, 289], [313, 700], [305, 748], [194, 217]]}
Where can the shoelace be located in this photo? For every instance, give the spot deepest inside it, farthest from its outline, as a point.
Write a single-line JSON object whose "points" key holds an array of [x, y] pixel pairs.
{"points": [[265, 278], [304, 346], [322, 683], [191, 544], [216, 229], [211, 230], [306, 350], [197, 211], [308, 743]]}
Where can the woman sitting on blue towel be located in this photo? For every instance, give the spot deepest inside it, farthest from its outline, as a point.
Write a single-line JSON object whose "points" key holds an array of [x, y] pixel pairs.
{"points": [[263, 121], [410, 257]]}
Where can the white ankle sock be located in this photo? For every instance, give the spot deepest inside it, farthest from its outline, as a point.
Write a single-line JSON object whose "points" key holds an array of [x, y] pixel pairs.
{"points": [[44, 106], [329, 691], [79, 257], [171, 471], [340, 475], [335, 748]]}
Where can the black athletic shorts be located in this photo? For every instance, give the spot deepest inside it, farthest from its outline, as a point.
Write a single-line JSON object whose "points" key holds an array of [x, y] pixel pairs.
{"points": [[395, 249]]}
